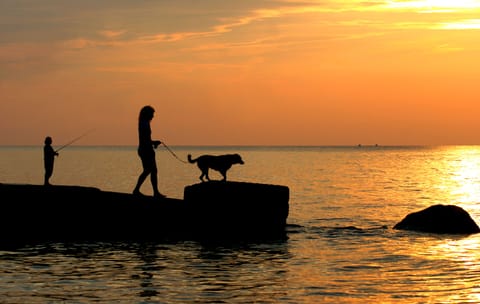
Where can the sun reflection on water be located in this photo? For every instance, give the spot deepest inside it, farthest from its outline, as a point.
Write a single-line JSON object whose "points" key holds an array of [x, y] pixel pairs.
{"points": [[466, 175], [458, 179], [461, 179], [455, 176], [450, 258]]}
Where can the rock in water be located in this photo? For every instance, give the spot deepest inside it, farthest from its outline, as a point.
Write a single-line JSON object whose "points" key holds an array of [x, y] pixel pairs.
{"points": [[439, 219]]}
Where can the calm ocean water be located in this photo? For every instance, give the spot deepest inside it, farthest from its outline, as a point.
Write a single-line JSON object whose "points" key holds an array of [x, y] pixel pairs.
{"points": [[341, 247]]}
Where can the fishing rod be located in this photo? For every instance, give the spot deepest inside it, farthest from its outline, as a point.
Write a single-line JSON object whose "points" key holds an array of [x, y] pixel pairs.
{"points": [[173, 153], [74, 140]]}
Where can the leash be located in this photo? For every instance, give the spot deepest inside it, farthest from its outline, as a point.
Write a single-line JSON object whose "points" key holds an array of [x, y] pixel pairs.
{"points": [[173, 153]]}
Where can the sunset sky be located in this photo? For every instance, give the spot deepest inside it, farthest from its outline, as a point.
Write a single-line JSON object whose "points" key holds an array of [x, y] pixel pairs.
{"points": [[250, 72]]}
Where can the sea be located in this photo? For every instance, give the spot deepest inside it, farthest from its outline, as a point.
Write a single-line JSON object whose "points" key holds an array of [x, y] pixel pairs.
{"points": [[340, 245]]}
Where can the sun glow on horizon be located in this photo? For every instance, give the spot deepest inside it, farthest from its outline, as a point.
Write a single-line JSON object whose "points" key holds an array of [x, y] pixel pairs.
{"points": [[461, 25], [436, 5]]}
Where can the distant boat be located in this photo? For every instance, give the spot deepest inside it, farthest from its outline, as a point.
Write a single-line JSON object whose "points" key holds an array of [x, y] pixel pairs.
{"points": [[210, 210], [360, 145]]}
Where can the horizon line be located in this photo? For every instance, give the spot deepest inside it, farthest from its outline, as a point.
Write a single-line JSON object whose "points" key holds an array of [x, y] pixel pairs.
{"points": [[255, 145]]}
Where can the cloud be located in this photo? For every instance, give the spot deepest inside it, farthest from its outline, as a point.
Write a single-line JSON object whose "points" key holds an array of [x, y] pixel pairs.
{"points": [[109, 34], [51, 29]]}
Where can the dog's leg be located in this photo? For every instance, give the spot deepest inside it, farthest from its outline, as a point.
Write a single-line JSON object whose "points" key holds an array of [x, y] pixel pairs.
{"points": [[224, 174], [204, 174]]}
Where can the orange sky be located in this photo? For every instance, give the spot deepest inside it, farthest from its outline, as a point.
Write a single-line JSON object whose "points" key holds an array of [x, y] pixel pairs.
{"points": [[281, 72]]}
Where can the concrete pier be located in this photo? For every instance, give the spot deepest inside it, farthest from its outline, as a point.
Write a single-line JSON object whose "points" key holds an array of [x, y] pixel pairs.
{"points": [[209, 210]]}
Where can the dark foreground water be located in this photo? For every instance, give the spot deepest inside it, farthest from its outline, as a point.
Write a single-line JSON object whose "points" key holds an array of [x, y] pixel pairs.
{"points": [[340, 245]]}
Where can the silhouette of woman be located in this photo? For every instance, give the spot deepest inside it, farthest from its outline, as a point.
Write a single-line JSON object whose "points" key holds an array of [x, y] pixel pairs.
{"points": [[48, 159], [146, 151]]}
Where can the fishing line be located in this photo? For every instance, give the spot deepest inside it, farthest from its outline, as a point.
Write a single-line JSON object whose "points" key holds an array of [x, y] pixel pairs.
{"points": [[74, 140], [173, 153]]}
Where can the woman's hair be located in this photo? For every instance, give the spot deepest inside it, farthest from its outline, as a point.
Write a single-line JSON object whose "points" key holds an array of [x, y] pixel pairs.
{"points": [[146, 113], [48, 140]]}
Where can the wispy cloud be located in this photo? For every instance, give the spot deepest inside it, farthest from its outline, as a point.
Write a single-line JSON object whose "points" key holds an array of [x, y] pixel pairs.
{"points": [[283, 22], [112, 34]]}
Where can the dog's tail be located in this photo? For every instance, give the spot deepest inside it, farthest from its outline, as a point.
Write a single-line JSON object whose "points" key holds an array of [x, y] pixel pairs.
{"points": [[190, 160]]}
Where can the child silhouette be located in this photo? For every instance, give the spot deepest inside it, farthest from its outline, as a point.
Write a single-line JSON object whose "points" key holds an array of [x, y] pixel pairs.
{"points": [[48, 159]]}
